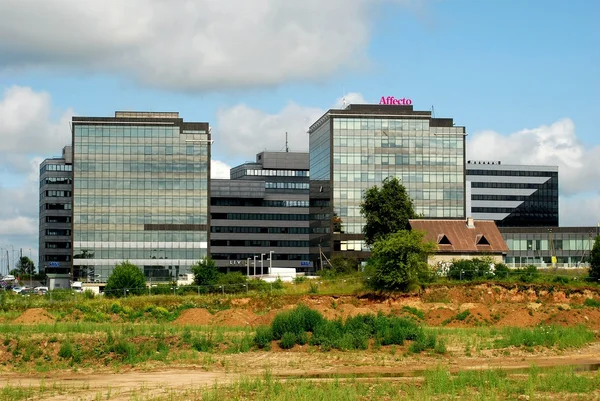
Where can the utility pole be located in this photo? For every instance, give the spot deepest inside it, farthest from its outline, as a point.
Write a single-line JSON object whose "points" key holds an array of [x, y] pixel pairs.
{"points": [[262, 270], [271, 260]]}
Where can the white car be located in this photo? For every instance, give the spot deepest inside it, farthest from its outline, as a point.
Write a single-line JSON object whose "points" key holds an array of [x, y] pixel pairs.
{"points": [[19, 289]]}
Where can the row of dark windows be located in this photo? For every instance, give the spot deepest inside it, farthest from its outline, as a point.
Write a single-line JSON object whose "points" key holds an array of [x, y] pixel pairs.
{"points": [[506, 210], [513, 173], [57, 231], [56, 167], [511, 185], [56, 258], [57, 245], [264, 243], [58, 219], [287, 185], [246, 256], [257, 202], [258, 216], [56, 180], [498, 197], [60, 194], [56, 206], [260, 230]]}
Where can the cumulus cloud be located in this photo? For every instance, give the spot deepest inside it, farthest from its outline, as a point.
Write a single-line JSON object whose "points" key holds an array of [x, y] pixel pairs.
{"points": [[349, 98], [29, 132], [218, 169], [191, 45], [245, 131], [556, 144], [27, 127]]}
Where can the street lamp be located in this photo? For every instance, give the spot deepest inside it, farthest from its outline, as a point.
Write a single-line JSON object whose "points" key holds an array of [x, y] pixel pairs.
{"points": [[262, 271], [31, 273], [271, 260], [248, 267], [255, 264], [13, 257]]}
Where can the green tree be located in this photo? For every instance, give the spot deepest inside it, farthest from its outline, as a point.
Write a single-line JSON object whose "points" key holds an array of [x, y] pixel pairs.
{"points": [[125, 279], [595, 260], [25, 265], [205, 272], [399, 261], [386, 210], [343, 264]]}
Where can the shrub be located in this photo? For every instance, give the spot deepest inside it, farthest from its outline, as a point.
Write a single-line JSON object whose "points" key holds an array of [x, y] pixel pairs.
{"points": [[592, 303], [125, 279], [288, 340], [423, 343], [263, 337], [233, 282], [203, 343], [66, 350], [205, 272], [296, 321]]}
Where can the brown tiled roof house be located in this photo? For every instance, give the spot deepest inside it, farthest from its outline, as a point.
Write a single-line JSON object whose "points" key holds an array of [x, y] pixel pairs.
{"points": [[462, 239]]}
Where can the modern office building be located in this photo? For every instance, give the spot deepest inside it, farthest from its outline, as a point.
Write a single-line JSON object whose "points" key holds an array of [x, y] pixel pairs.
{"points": [[356, 148], [141, 193], [56, 200], [512, 195], [570, 246], [262, 212]]}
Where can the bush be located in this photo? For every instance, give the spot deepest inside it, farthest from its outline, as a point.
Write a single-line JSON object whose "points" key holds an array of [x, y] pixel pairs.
{"points": [[126, 279], [288, 340], [471, 269], [233, 282], [296, 321], [263, 337], [592, 303], [205, 272]]}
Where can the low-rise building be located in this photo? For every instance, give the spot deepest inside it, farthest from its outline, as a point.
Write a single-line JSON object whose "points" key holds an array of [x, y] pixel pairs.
{"points": [[460, 239]]}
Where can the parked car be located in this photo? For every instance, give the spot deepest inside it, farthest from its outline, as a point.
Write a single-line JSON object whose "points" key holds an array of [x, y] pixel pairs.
{"points": [[41, 290], [18, 289]]}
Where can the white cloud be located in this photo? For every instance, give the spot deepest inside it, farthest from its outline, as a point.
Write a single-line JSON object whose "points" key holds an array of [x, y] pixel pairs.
{"points": [[349, 98], [556, 144], [27, 127], [29, 132], [218, 169], [245, 131], [191, 45], [579, 211]]}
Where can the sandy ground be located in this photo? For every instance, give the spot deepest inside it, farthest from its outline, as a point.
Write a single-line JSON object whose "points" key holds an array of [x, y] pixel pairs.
{"points": [[489, 306]]}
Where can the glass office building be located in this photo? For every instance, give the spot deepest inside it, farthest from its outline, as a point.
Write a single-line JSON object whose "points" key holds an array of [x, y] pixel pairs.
{"points": [[141, 191], [56, 186], [262, 212], [512, 195], [356, 148]]}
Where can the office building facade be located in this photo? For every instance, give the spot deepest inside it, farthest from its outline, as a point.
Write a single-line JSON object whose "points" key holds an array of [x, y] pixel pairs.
{"points": [[262, 212], [569, 246], [141, 193], [56, 214], [356, 148], [512, 195]]}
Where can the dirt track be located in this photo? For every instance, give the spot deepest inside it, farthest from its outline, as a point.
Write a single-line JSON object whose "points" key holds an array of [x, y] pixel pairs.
{"points": [[488, 305]]}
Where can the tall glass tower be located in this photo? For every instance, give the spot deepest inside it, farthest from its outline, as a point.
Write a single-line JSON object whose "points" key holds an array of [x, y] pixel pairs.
{"points": [[356, 148], [141, 193]]}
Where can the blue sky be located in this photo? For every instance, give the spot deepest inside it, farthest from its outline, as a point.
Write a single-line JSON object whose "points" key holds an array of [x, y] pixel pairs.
{"points": [[522, 76]]}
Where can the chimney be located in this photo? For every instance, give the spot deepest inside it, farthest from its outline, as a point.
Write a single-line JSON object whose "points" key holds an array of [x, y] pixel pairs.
{"points": [[470, 222]]}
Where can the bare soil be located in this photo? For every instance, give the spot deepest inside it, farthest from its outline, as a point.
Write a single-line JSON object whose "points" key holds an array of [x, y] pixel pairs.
{"points": [[488, 305]]}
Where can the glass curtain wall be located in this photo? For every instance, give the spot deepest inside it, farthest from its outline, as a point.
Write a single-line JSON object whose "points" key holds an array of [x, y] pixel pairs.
{"points": [[140, 194]]}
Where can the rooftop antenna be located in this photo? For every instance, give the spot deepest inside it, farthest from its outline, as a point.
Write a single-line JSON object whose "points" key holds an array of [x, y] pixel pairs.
{"points": [[432, 111], [287, 149]]}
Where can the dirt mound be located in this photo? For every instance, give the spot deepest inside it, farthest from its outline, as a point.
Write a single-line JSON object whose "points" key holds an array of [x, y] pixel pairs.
{"points": [[234, 317], [35, 316], [195, 316]]}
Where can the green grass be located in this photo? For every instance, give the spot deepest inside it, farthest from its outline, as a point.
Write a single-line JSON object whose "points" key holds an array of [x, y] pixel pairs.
{"points": [[545, 336], [434, 384]]}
